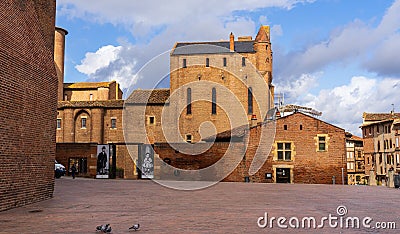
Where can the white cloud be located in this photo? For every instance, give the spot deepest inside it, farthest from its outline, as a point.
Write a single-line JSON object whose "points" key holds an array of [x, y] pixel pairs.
{"points": [[354, 42], [344, 105], [100, 59], [175, 20]]}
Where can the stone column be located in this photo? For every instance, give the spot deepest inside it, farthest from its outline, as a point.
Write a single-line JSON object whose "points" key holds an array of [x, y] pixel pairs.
{"points": [[372, 180]]}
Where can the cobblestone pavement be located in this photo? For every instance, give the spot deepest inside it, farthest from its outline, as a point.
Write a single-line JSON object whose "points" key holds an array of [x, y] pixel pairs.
{"points": [[80, 205]]}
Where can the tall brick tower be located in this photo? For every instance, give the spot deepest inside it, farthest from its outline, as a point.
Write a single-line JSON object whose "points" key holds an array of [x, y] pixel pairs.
{"points": [[28, 103], [59, 54]]}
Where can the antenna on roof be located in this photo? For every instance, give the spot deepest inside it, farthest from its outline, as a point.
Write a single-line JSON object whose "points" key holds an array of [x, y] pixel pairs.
{"points": [[392, 108]]}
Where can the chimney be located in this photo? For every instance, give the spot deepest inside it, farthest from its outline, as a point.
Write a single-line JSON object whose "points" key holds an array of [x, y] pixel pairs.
{"points": [[232, 42], [59, 52], [253, 120]]}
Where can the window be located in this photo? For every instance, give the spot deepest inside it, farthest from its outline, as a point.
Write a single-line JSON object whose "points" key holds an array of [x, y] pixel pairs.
{"points": [[189, 138], [301, 127], [397, 142], [65, 97], [189, 101], [58, 123], [207, 62], [152, 120], [249, 101], [184, 63], [113, 123], [368, 161], [83, 122], [90, 97], [224, 62], [243, 61], [214, 102], [284, 151], [379, 146], [350, 166], [322, 142], [285, 127]]}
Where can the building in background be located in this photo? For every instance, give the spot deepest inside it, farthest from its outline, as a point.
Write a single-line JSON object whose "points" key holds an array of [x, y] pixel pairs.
{"points": [[355, 160], [28, 102], [381, 146]]}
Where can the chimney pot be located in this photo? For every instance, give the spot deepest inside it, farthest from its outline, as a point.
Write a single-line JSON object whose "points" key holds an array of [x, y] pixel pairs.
{"points": [[232, 42]]}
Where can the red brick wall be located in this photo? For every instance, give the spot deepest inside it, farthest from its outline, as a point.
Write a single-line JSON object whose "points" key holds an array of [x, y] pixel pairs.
{"points": [[28, 83], [309, 166]]}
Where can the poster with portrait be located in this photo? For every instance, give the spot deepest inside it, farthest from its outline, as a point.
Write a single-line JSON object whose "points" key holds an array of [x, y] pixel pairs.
{"points": [[147, 162], [103, 161]]}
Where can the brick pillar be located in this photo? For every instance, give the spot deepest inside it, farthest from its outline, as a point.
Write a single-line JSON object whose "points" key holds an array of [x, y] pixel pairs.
{"points": [[97, 126], [69, 125]]}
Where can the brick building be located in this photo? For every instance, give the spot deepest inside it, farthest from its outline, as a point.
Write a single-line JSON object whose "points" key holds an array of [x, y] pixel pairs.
{"points": [[304, 150], [381, 133], [355, 160], [28, 102], [216, 88]]}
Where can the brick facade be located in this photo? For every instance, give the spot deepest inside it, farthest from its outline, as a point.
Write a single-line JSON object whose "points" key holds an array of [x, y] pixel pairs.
{"points": [[28, 102], [308, 164]]}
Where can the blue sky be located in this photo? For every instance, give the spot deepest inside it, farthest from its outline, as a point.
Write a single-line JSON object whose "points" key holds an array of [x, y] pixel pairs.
{"points": [[337, 56]]}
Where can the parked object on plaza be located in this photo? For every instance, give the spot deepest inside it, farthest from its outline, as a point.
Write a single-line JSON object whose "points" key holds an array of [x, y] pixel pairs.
{"points": [[135, 227], [59, 170]]}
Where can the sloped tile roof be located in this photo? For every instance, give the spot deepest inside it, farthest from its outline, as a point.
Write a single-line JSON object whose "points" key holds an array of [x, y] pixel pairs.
{"points": [[237, 132], [216, 47], [151, 96], [379, 116], [87, 85]]}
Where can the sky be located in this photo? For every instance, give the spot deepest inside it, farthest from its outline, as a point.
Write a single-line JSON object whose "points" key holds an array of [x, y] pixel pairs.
{"points": [[339, 57]]}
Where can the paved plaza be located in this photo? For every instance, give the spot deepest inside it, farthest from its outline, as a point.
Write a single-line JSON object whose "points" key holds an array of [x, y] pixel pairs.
{"points": [[80, 205]]}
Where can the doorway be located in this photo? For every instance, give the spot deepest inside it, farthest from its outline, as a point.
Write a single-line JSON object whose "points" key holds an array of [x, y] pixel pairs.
{"points": [[283, 175], [80, 163]]}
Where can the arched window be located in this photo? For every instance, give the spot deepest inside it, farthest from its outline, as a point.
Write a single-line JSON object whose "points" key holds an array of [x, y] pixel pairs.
{"points": [[189, 101], [249, 101], [214, 102]]}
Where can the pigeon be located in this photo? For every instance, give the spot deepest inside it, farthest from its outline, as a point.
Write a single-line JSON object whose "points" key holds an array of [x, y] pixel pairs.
{"points": [[102, 228], [135, 227], [98, 228], [108, 230]]}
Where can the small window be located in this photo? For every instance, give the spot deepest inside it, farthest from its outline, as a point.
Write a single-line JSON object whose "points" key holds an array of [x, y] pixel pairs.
{"points": [[249, 101], [83, 122], [285, 127], [224, 62], [301, 127], [243, 61], [113, 123], [284, 151], [214, 102], [207, 62], [58, 123], [152, 120], [189, 138], [184, 63], [65, 97], [90, 97], [189, 101], [322, 143]]}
